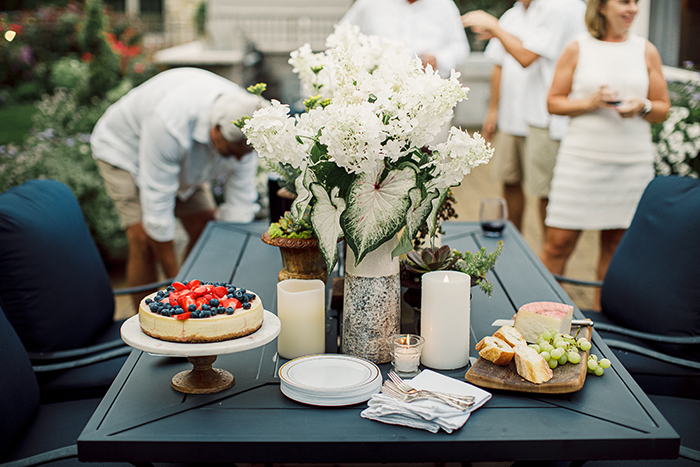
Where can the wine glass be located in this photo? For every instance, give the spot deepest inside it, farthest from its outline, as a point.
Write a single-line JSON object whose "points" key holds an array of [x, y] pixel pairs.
{"points": [[492, 216]]}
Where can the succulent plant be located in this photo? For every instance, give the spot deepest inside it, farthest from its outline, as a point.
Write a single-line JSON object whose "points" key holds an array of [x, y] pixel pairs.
{"points": [[289, 227], [429, 259]]}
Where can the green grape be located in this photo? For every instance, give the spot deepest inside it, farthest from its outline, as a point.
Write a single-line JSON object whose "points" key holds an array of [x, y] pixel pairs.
{"points": [[599, 371], [567, 336], [557, 353], [560, 344], [547, 347], [574, 357], [551, 334], [592, 364], [553, 363], [536, 347], [583, 344], [563, 359], [604, 363], [546, 355]]}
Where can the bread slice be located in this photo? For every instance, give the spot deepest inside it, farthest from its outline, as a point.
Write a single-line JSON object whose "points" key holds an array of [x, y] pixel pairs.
{"points": [[511, 335], [531, 365], [496, 350]]}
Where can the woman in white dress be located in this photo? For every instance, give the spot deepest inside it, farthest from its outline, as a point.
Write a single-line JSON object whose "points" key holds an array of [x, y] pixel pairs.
{"points": [[610, 82]]}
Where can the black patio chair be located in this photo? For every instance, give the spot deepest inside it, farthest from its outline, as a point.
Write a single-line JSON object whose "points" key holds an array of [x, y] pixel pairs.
{"points": [[650, 304], [56, 292]]}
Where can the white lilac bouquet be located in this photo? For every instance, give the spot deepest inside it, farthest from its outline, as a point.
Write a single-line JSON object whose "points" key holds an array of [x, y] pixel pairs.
{"points": [[361, 148], [677, 139]]}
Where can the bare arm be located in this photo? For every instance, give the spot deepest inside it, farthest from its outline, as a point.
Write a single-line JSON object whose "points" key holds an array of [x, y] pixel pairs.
{"points": [[491, 119], [486, 26], [658, 91], [558, 100]]}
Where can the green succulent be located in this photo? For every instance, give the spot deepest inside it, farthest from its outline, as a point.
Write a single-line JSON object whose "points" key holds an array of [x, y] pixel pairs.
{"points": [[429, 259], [289, 227]]}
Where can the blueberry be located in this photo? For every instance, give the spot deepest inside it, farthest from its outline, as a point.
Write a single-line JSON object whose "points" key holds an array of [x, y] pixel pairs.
{"points": [[246, 306], [192, 308], [170, 288], [230, 311], [238, 295], [214, 302], [148, 301], [206, 307], [153, 307], [205, 313], [195, 314]]}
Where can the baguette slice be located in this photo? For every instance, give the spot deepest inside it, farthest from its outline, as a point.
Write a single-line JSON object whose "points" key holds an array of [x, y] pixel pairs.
{"points": [[511, 335], [495, 350], [531, 365]]}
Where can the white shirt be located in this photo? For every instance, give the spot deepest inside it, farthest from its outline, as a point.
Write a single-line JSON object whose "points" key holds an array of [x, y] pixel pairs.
{"points": [[425, 26], [511, 105], [555, 24], [159, 132]]}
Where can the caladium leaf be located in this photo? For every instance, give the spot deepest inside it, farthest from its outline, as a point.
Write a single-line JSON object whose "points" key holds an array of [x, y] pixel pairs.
{"points": [[304, 196], [415, 217], [432, 218], [376, 209], [325, 220]]}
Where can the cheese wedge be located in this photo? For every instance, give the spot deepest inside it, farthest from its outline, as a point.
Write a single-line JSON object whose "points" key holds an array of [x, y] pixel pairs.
{"points": [[535, 318]]}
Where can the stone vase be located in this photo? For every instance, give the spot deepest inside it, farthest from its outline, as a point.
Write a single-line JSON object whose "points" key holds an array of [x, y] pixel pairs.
{"points": [[371, 304], [301, 258]]}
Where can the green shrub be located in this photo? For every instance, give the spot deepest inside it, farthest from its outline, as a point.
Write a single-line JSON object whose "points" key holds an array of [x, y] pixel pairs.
{"points": [[69, 72]]}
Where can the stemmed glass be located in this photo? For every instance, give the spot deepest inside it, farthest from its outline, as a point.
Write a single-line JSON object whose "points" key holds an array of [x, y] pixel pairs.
{"points": [[492, 216]]}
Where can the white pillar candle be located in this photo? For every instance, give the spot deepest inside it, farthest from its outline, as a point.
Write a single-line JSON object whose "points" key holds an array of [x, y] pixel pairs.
{"points": [[444, 319], [302, 313]]}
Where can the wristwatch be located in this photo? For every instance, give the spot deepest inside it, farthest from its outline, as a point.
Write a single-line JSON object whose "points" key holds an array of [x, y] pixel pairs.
{"points": [[646, 109]]}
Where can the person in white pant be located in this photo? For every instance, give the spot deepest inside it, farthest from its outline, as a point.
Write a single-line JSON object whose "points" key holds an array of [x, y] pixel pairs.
{"points": [[158, 148], [504, 123], [554, 24]]}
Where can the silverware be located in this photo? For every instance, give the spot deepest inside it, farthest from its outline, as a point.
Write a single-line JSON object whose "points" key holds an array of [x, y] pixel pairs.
{"points": [[406, 388], [390, 389]]}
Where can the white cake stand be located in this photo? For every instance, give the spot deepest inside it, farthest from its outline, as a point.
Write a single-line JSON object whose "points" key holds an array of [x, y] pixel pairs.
{"points": [[202, 378]]}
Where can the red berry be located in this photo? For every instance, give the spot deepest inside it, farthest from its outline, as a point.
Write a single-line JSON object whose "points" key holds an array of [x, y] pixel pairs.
{"points": [[179, 286], [194, 283], [220, 291], [183, 316]]}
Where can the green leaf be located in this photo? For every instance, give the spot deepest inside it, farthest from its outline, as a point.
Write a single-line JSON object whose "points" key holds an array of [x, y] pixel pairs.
{"points": [[304, 196], [325, 219], [432, 218], [416, 215], [376, 209]]}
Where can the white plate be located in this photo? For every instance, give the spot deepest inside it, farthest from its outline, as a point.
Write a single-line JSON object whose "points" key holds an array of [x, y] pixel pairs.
{"points": [[134, 337], [330, 379]]}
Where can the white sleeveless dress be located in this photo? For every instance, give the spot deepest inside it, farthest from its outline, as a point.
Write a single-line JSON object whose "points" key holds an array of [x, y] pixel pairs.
{"points": [[604, 161]]}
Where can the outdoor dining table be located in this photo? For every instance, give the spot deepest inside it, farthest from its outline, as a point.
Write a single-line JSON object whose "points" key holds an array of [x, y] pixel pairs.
{"points": [[142, 419]]}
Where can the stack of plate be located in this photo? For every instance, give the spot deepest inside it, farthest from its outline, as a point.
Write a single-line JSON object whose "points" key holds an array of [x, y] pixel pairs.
{"points": [[330, 379]]}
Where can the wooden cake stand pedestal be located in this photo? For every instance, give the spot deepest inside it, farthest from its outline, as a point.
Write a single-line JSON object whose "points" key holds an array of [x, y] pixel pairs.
{"points": [[203, 378]]}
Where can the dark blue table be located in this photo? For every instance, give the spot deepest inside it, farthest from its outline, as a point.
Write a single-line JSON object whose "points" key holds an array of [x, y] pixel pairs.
{"points": [[142, 419]]}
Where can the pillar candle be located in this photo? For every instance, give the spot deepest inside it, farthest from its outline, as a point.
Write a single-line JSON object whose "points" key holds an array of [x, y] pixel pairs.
{"points": [[444, 318], [302, 313]]}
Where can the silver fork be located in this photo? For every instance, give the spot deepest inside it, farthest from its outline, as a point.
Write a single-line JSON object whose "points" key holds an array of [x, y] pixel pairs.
{"points": [[390, 389], [403, 386]]}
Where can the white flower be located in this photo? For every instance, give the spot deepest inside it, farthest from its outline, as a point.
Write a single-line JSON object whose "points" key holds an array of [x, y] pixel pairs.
{"points": [[458, 156]]}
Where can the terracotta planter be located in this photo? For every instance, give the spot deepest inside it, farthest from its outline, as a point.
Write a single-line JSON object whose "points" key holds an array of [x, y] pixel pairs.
{"points": [[301, 258]]}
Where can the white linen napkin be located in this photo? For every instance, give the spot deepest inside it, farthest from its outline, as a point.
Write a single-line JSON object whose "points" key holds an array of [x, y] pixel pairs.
{"points": [[426, 414]]}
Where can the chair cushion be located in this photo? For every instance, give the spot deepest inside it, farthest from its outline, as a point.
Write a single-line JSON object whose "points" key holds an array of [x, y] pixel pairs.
{"points": [[53, 282], [652, 283], [18, 387]]}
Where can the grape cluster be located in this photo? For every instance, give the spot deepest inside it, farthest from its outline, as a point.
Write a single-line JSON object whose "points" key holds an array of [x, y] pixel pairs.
{"points": [[559, 349], [596, 366]]}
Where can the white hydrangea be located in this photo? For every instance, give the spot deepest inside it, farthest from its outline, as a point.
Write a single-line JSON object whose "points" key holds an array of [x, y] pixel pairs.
{"points": [[456, 157]]}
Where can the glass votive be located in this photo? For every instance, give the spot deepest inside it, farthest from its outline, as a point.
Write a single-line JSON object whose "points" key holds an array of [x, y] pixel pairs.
{"points": [[405, 354]]}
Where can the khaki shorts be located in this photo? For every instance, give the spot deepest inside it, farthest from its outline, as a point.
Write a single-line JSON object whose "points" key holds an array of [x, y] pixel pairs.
{"points": [[508, 158], [122, 189], [540, 155]]}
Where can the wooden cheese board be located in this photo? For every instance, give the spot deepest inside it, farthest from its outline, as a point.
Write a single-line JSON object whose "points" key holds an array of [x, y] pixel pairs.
{"points": [[567, 378]]}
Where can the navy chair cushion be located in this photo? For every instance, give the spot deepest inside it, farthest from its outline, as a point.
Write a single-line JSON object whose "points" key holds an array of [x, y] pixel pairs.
{"points": [[53, 283], [652, 283], [19, 390]]}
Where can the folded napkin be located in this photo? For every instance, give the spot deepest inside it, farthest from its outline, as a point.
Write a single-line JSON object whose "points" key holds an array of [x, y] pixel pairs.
{"points": [[426, 414]]}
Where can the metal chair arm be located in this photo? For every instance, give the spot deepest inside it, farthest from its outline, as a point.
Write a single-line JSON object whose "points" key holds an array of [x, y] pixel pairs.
{"points": [[683, 340], [67, 452], [622, 345], [82, 361], [569, 280]]}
